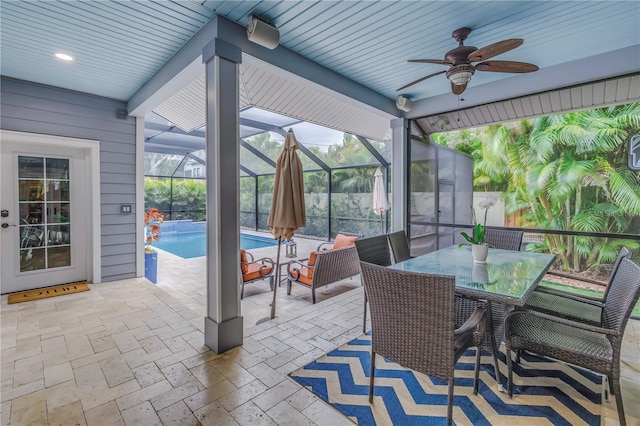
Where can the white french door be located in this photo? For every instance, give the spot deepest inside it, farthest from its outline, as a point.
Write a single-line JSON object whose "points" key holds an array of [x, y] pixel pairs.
{"points": [[43, 193]]}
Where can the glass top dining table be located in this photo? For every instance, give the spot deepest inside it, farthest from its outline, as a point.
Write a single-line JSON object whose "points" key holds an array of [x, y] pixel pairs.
{"points": [[508, 276]]}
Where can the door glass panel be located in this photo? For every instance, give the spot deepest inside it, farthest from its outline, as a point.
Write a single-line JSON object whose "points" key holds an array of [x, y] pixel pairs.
{"points": [[445, 237], [57, 190], [57, 168], [445, 212], [44, 205], [31, 213], [440, 193], [30, 167], [57, 212], [58, 235], [32, 259], [59, 256], [31, 190], [463, 190], [446, 165]]}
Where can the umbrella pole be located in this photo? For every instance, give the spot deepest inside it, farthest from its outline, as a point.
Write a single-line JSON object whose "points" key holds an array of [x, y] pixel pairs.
{"points": [[277, 283]]}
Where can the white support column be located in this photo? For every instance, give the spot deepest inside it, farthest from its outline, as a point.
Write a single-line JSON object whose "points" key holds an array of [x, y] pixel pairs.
{"points": [[399, 173], [139, 211], [223, 324]]}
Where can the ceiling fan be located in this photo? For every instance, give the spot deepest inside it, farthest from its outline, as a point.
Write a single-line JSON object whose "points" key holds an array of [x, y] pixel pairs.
{"points": [[460, 61]]}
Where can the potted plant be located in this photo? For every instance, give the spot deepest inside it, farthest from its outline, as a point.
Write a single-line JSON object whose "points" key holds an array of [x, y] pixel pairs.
{"points": [[479, 248], [152, 220]]}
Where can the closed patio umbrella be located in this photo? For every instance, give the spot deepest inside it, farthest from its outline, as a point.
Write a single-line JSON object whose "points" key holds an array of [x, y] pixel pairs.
{"points": [[287, 208], [379, 196]]}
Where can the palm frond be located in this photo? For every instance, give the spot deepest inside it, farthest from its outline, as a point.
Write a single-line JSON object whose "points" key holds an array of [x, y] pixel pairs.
{"points": [[587, 221], [569, 174], [625, 192]]}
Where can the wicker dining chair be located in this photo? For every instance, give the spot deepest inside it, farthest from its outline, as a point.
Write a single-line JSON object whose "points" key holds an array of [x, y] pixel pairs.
{"points": [[412, 324], [373, 250], [571, 306], [504, 239], [399, 246], [496, 312], [592, 347]]}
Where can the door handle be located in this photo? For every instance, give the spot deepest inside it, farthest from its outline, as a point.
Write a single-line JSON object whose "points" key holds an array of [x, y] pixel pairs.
{"points": [[6, 225]]}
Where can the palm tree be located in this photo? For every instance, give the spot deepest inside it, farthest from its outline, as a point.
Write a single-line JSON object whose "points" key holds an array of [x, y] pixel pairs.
{"points": [[575, 167], [566, 172], [193, 194], [315, 182], [157, 194]]}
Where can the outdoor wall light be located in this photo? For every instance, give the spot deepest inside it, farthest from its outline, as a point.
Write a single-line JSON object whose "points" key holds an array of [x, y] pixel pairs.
{"points": [[403, 103], [263, 32]]}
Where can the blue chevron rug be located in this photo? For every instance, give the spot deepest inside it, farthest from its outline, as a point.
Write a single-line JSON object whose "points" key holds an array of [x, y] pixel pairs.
{"points": [[545, 391]]}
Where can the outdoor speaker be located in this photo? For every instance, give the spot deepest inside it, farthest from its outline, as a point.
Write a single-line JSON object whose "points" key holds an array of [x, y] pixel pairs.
{"points": [[403, 103], [262, 32]]}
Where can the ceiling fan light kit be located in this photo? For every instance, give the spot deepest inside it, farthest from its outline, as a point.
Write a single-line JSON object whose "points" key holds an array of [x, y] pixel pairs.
{"points": [[459, 61], [460, 75]]}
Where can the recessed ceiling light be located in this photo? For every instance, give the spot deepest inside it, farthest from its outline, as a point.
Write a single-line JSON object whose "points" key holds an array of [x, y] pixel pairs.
{"points": [[64, 56]]}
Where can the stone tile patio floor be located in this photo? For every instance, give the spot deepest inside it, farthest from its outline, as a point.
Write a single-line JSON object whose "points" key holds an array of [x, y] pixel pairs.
{"points": [[130, 352]]}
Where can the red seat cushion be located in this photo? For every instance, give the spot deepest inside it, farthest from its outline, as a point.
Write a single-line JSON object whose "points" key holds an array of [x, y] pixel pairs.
{"points": [[243, 260], [253, 272], [305, 276], [344, 241]]}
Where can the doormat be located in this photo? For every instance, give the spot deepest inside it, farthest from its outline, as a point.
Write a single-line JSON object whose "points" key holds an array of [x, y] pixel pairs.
{"points": [[545, 391], [43, 293]]}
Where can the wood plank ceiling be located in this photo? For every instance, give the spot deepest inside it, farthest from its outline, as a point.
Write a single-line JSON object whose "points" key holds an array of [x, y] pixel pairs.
{"points": [[120, 45]]}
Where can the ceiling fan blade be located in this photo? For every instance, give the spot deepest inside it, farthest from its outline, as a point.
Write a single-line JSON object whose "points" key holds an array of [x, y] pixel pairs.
{"points": [[494, 49], [506, 66], [421, 79], [457, 89], [431, 61]]}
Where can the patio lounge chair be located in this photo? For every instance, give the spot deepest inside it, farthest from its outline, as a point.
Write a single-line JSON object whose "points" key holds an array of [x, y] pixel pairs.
{"points": [[325, 266], [412, 324], [596, 348], [255, 270]]}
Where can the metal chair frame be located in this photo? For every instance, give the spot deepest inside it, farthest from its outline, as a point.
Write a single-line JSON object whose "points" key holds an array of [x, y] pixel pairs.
{"points": [[265, 273]]}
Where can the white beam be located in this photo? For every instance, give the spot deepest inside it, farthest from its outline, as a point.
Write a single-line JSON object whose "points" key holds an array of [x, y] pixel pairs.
{"points": [[186, 65], [399, 173]]}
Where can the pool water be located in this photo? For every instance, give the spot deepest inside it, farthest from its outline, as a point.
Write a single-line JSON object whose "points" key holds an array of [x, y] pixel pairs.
{"points": [[193, 244]]}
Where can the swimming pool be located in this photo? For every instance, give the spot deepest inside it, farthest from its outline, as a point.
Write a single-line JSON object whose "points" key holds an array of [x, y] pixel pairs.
{"points": [[193, 244]]}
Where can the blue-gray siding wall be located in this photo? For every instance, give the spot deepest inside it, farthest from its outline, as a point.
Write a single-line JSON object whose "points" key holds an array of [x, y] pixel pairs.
{"points": [[28, 107]]}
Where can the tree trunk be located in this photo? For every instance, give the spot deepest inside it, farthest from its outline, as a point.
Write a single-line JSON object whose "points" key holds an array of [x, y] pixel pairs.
{"points": [[578, 206], [554, 242], [569, 240]]}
